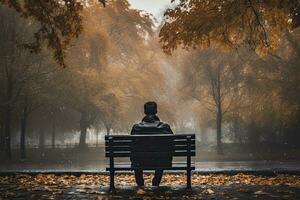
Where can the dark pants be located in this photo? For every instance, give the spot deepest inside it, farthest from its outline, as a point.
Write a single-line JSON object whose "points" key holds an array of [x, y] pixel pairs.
{"points": [[140, 180]]}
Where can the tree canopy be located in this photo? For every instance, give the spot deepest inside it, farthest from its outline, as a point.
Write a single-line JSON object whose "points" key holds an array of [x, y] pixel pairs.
{"points": [[257, 24], [59, 20]]}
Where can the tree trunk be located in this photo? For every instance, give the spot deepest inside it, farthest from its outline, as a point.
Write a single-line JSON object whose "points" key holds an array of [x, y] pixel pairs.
{"points": [[219, 130], [53, 134], [83, 130], [253, 135], [219, 114], [7, 117], [23, 129], [236, 129], [7, 130], [2, 137]]}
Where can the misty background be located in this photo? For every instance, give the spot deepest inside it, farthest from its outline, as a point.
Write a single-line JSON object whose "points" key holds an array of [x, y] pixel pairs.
{"points": [[241, 106]]}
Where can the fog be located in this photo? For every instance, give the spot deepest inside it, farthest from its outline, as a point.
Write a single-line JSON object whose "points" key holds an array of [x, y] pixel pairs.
{"points": [[241, 105]]}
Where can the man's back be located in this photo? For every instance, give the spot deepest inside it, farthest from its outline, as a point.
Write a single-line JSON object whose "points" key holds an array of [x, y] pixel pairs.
{"points": [[151, 124], [151, 151]]}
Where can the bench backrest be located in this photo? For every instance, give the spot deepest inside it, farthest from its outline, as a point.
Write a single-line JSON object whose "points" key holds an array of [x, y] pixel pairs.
{"points": [[182, 145]]}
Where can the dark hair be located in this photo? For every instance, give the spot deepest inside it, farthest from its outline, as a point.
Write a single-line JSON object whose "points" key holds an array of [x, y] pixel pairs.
{"points": [[150, 108]]}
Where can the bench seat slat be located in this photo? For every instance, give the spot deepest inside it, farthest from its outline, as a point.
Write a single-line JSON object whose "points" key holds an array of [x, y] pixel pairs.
{"points": [[175, 166], [128, 143], [128, 148], [132, 139], [128, 153], [129, 137], [169, 168]]}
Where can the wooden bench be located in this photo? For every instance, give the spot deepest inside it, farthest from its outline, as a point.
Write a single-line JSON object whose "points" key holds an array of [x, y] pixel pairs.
{"points": [[125, 146]]}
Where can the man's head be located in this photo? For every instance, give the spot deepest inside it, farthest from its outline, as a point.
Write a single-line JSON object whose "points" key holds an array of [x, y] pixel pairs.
{"points": [[150, 108]]}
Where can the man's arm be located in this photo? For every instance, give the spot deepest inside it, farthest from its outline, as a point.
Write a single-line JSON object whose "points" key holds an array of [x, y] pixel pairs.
{"points": [[133, 132], [168, 129]]}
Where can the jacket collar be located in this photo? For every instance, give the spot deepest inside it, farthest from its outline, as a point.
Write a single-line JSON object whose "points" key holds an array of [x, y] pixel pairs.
{"points": [[150, 118]]}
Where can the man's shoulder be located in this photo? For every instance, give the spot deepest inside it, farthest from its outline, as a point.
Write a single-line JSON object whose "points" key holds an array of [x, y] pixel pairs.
{"points": [[135, 127], [167, 128], [144, 128], [164, 124]]}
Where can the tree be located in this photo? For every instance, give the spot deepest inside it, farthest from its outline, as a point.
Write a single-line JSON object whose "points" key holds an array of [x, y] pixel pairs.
{"points": [[22, 73], [60, 21], [276, 91], [110, 71], [212, 79], [16, 66], [229, 24], [130, 65]]}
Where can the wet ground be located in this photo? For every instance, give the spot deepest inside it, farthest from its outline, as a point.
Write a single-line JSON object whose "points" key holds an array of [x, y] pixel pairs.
{"points": [[99, 166], [221, 192], [248, 166], [83, 177], [240, 186]]}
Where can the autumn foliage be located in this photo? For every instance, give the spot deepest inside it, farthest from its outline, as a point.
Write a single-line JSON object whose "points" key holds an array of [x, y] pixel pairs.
{"points": [[228, 24]]}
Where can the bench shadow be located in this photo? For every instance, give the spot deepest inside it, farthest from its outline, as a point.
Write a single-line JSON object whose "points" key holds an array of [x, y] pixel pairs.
{"points": [[148, 191]]}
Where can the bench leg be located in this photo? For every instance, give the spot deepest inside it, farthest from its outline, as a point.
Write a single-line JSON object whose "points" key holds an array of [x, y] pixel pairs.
{"points": [[112, 180], [188, 178]]}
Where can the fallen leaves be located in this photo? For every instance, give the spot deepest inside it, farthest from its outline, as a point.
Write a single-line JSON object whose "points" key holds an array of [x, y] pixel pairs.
{"points": [[245, 179], [140, 191], [51, 180], [54, 186], [261, 193], [208, 191]]}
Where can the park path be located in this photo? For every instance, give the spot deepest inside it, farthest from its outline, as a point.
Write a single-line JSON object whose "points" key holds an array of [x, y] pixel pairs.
{"points": [[99, 166]]}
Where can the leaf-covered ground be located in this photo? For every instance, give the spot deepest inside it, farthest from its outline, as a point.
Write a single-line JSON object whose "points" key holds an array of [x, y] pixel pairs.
{"points": [[240, 186]]}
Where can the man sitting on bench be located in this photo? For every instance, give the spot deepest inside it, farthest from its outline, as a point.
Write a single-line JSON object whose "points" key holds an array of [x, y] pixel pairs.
{"points": [[150, 124]]}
